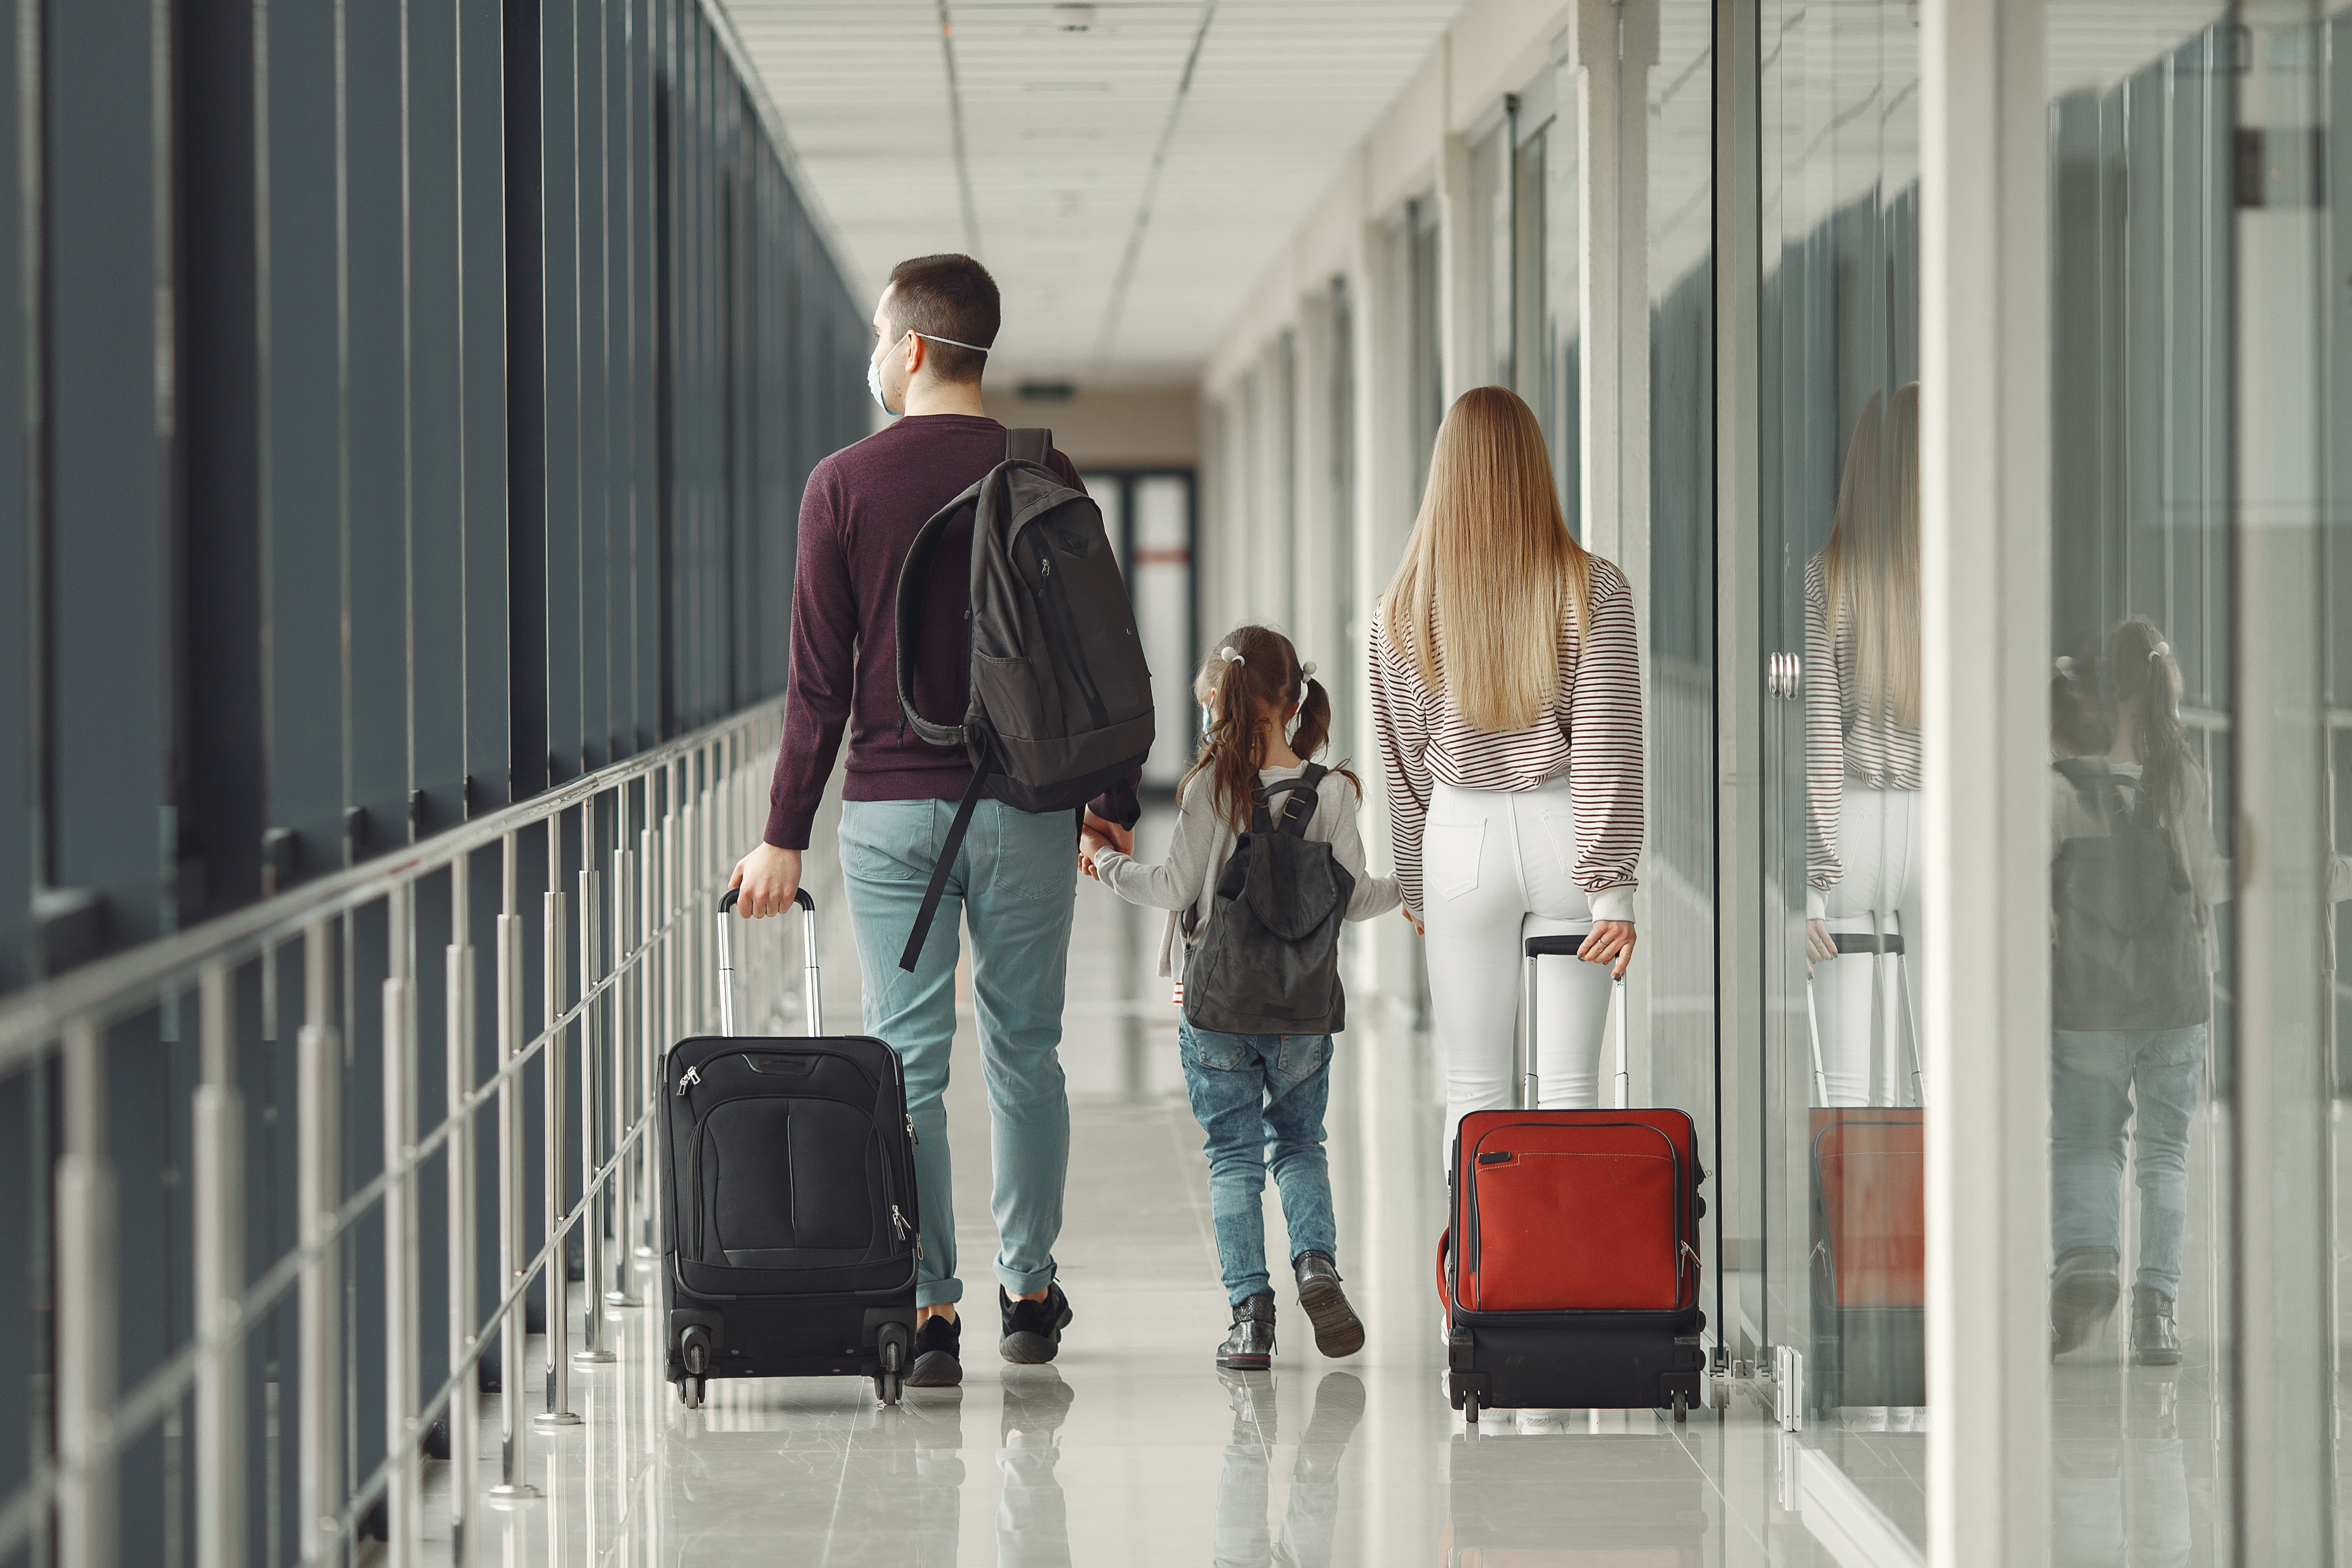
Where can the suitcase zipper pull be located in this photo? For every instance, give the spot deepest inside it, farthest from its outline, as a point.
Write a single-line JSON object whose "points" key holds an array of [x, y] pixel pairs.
{"points": [[911, 1136], [1689, 1252], [693, 1076], [897, 1222]]}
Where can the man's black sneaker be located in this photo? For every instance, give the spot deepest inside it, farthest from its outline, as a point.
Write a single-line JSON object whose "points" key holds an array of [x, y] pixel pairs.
{"points": [[938, 1361], [1032, 1330], [1337, 1331]]}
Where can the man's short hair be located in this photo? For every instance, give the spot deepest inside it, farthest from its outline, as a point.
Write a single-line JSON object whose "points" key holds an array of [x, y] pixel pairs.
{"points": [[947, 296]]}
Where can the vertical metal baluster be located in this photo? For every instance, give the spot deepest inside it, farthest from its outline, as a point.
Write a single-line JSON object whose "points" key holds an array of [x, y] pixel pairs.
{"points": [[690, 877], [86, 1309], [220, 1281], [318, 1185], [627, 1029], [465, 1411], [404, 1496], [597, 1201], [655, 1034], [555, 945], [514, 1484]]}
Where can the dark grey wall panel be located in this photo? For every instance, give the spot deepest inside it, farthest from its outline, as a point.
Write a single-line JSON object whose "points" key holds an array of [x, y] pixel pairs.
{"points": [[481, 325], [109, 533], [376, 400], [221, 818], [436, 446], [464, 453], [302, 522], [559, 428]]}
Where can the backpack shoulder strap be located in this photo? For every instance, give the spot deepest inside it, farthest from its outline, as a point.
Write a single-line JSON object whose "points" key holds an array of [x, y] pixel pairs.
{"points": [[1299, 809], [1030, 445], [914, 582]]}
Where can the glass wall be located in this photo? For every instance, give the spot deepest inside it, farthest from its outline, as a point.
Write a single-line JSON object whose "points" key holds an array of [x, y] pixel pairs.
{"points": [[2140, 910], [1838, 1126], [1544, 360], [1678, 948], [1487, 357]]}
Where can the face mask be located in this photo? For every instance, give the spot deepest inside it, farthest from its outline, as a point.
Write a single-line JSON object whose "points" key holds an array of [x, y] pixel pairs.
{"points": [[874, 378], [1208, 719]]}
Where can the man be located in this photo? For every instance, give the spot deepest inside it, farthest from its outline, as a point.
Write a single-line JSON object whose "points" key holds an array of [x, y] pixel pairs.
{"points": [[1015, 873]]}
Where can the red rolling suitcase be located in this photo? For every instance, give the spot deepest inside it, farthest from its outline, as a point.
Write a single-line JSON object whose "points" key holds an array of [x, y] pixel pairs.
{"points": [[1869, 1228], [1576, 1279]]}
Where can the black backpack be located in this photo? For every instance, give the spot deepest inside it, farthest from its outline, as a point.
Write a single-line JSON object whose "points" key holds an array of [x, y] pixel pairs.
{"points": [[1061, 700], [2130, 945], [1269, 962]]}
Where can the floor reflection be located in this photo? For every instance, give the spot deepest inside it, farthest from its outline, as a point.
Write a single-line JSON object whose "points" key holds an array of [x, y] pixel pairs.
{"points": [[1244, 1538], [1130, 1449]]}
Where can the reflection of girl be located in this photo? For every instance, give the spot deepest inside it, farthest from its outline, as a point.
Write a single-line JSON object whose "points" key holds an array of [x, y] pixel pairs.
{"points": [[1863, 848], [2134, 874]]}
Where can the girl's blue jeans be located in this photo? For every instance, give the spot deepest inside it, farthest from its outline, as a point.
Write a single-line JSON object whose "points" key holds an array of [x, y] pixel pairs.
{"points": [[1260, 1099]]}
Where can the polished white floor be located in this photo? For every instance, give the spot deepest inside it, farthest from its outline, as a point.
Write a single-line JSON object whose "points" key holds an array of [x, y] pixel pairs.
{"points": [[1132, 1450]]}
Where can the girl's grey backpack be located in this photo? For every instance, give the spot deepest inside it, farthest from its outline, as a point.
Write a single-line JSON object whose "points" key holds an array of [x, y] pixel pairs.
{"points": [[1269, 962], [2129, 945]]}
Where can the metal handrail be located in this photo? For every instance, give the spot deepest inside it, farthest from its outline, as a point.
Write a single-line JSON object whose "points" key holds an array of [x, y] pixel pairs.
{"points": [[655, 988], [109, 989]]}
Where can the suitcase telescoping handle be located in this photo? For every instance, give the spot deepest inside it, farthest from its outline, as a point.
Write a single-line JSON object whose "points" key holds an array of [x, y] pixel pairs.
{"points": [[726, 962], [1569, 946], [1848, 942]]}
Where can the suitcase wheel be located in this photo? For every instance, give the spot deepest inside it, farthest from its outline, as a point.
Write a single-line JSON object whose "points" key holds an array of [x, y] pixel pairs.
{"points": [[689, 1392], [1470, 1411], [893, 1345], [1682, 1406]]}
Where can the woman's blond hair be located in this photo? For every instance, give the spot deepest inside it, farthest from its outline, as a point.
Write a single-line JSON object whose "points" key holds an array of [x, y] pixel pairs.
{"points": [[1871, 567], [1490, 555]]}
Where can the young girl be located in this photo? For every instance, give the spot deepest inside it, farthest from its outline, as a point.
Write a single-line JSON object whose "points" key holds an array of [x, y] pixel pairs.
{"points": [[1255, 1092]]}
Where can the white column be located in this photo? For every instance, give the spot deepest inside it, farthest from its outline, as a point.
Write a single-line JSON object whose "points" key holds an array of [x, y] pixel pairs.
{"points": [[1984, 600], [2286, 1342], [1611, 48]]}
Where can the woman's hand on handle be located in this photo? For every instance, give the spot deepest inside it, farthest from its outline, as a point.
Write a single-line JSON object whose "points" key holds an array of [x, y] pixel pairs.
{"points": [[1411, 920], [769, 880], [1611, 942]]}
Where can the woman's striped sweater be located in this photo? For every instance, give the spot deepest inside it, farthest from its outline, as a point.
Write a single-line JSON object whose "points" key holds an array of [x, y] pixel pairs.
{"points": [[1593, 734]]}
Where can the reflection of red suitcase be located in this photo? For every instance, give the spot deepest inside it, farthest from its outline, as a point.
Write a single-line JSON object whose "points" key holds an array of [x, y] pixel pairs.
{"points": [[1575, 1283], [1870, 1233]]}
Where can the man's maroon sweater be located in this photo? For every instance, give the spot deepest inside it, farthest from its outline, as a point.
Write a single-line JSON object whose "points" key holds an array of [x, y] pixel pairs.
{"points": [[859, 516]]}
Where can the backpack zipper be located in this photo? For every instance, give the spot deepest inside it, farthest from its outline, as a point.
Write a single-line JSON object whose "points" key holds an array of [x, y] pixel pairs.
{"points": [[1066, 627]]}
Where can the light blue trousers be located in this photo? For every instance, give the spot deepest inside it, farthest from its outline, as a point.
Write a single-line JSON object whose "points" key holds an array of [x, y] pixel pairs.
{"points": [[1015, 880]]}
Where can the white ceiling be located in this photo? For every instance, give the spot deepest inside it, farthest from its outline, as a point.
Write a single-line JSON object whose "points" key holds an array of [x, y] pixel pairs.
{"points": [[1062, 129]]}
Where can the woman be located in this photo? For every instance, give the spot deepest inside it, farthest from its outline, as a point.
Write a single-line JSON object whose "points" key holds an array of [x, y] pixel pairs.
{"points": [[1506, 692], [1863, 862]]}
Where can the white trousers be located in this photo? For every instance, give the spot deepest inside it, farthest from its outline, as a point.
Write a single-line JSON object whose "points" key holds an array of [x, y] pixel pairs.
{"points": [[1496, 867], [1866, 1040]]}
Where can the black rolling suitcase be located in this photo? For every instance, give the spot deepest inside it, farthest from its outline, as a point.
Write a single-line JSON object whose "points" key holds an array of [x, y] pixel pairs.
{"points": [[789, 1239], [1570, 1270]]}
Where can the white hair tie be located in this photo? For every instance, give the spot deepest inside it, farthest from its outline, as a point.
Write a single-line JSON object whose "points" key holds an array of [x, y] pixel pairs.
{"points": [[2160, 650], [1306, 670], [1229, 656]]}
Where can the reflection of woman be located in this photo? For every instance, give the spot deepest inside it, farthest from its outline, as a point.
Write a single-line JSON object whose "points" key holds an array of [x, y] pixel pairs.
{"points": [[1507, 694], [1862, 848], [2134, 875]]}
